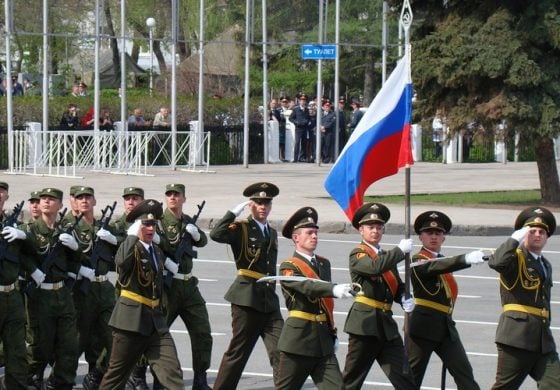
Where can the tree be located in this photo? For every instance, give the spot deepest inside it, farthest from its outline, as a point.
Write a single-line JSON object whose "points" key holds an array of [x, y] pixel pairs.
{"points": [[492, 61]]}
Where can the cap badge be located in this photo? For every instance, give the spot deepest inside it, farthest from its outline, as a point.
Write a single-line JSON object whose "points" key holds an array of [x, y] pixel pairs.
{"points": [[374, 216], [151, 203], [151, 216], [538, 211], [262, 194], [433, 215], [374, 207], [538, 220], [433, 224]]}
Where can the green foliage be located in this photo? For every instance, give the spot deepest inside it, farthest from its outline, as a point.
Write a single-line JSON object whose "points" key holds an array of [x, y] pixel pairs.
{"points": [[522, 197]]}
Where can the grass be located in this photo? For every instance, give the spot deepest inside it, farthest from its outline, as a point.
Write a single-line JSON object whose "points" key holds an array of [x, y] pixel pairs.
{"points": [[488, 198]]}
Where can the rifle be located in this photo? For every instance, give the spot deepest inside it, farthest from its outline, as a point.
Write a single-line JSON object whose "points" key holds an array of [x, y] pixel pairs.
{"points": [[101, 250], [185, 246], [10, 221]]}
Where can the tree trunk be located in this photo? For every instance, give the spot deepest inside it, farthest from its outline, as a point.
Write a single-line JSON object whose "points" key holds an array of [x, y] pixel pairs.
{"points": [[369, 82], [548, 171]]}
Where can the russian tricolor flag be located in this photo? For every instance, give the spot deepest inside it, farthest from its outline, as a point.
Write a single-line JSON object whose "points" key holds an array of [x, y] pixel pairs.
{"points": [[379, 145]]}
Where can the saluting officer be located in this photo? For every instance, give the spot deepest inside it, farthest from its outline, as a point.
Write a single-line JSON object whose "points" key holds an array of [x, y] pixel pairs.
{"points": [[183, 296], [94, 294], [523, 337], [52, 315], [431, 327], [373, 332], [308, 341], [138, 321], [12, 309], [255, 309]]}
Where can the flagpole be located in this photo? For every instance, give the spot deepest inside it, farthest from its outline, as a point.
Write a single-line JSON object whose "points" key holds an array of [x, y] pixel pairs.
{"points": [[406, 21]]}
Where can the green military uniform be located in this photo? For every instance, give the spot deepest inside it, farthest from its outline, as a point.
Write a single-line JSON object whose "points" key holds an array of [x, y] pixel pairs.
{"points": [[373, 333], [308, 337], [183, 296], [523, 337], [254, 306], [431, 327], [138, 321], [95, 299], [52, 316], [12, 312]]}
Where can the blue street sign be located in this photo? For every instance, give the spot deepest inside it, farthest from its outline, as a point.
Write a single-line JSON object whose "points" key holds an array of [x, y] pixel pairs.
{"points": [[318, 52]]}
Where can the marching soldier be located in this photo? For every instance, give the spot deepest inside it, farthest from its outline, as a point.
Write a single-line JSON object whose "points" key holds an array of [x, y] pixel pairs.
{"points": [[138, 322], [431, 327], [523, 337], [184, 298], [308, 341], [52, 315], [12, 309], [255, 308], [34, 206], [132, 196], [70, 217], [94, 294], [373, 333]]}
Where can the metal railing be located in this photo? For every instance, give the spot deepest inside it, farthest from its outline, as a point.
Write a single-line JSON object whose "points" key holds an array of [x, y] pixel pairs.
{"points": [[67, 153]]}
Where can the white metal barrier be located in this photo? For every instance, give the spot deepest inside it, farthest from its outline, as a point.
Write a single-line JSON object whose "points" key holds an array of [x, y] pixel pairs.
{"points": [[67, 153]]}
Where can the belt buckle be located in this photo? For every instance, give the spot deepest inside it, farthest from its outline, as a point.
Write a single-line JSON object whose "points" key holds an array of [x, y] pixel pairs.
{"points": [[57, 285]]}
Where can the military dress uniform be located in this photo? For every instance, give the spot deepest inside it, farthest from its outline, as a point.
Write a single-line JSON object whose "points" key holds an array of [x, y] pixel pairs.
{"points": [[373, 332], [12, 312], [51, 311], [524, 339], [255, 307], [431, 327], [183, 296], [138, 321], [95, 299], [308, 337]]}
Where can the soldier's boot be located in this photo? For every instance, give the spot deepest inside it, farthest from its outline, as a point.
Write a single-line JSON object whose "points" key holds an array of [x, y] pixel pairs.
{"points": [[92, 379], [200, 382], [138, 378]]}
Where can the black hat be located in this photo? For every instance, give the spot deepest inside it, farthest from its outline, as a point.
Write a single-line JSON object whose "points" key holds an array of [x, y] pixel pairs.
{"points": [[133, 191], [80, 190], [536, 216], [4, 185], [147, 210], [432, 220], [370, 213], [261, 190], [52, 192], [179, 188], [302, 97], [303, 218]]}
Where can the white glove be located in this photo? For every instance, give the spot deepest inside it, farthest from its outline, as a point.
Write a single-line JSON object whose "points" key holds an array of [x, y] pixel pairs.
{"points": [[520, 234], [405, 245], [134, 229], [86, 272], [38, 276], [156, 239], [407, 304], [11, 234], [237, 210], [68, 241], [171, 266], [342, 290], [106, 235], [193, 231], [336, 343], [474, 257]]}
